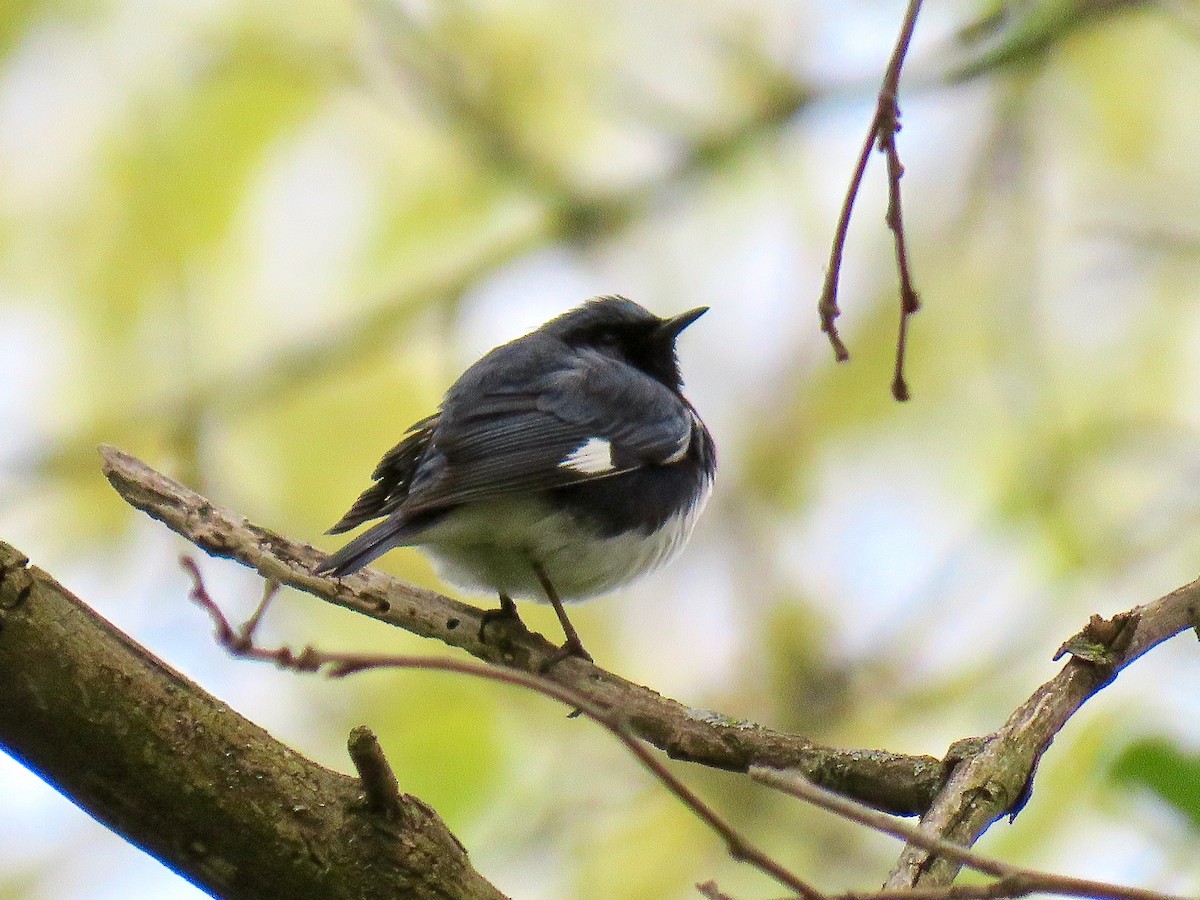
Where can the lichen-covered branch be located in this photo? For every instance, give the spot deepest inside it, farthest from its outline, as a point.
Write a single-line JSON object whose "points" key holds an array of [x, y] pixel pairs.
{"points": [[1011, 881], [890, 781], [993, 775], [182, 776]]}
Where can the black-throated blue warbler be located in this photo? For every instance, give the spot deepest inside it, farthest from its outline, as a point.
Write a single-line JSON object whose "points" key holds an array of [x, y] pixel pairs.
{"points": [[560, 466]]}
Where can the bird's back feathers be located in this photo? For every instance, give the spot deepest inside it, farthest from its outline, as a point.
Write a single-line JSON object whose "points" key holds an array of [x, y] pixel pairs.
{"points": [[545, 416]]}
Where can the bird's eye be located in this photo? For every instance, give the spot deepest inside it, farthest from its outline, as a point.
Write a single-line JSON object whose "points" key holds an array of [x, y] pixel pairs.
{"points": [[607, 337]]}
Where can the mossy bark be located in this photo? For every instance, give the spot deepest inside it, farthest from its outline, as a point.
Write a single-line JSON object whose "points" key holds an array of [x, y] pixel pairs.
{"points": [[184, 777]]}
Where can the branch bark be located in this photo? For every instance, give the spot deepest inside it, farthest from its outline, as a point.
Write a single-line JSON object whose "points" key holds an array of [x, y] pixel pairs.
{"points": [[993, 776], [893, 782], [1012, 881], [179, 774]]}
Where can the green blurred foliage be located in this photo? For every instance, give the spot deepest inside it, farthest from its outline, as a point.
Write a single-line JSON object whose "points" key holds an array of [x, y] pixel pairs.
{"points": [[442, 739], [176, 186], [14, 19], [1162, 767], [15, 887], [1024, 33]]}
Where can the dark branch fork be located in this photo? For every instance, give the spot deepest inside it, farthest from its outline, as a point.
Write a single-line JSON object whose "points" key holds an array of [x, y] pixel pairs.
{"points": [[1011, 881], [993, 775], [179, 774]]}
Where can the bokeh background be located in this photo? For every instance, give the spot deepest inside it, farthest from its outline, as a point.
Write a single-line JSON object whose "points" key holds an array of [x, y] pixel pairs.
{"points": [[252, 240]]}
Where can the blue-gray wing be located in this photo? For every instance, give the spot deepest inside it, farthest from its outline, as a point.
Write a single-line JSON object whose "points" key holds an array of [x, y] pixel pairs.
{"points": [[594, 419]]}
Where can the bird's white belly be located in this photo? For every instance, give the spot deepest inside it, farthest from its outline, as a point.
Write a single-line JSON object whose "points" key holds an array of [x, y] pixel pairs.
{"points": [[492, 547]]}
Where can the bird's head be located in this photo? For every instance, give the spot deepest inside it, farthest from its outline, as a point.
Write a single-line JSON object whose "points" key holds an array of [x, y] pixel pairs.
{"points": [[618, 327]]}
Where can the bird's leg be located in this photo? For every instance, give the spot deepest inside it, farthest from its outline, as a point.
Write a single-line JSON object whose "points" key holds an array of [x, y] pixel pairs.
{"points": [[506, 613], [507, 610], [573, 645]]}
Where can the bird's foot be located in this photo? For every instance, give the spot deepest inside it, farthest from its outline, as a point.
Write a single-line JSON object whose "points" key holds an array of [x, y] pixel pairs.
{"points": [[571, 647]]}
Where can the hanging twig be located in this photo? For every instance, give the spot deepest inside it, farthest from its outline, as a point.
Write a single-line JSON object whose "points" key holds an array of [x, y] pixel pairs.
{"points": [[885, 124]]}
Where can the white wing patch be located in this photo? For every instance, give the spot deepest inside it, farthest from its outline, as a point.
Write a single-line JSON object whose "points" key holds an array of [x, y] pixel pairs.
{"points": [[592, 458]]}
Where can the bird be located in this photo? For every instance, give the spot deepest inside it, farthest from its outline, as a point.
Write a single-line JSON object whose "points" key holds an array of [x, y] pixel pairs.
{"points": [[558, 467]]}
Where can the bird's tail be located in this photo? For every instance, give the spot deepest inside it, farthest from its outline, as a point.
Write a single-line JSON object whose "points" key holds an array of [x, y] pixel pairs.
{"points": [[371, 544]]}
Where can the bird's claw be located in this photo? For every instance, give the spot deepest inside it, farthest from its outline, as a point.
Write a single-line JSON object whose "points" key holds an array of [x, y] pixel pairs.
{"points": [[571, 647]]}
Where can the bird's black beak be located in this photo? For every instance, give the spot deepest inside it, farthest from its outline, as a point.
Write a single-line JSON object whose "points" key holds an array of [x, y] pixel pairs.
{"points": [[669, 329]]}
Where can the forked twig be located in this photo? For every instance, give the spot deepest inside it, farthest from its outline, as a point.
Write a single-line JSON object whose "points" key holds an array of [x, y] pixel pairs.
{"points": [[1013, 881], [240, 642], [901, 783], [885, 124], [1176, 610]]}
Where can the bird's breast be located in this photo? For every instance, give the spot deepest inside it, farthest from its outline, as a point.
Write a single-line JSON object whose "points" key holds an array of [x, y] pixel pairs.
{"points": [[587, 545]]}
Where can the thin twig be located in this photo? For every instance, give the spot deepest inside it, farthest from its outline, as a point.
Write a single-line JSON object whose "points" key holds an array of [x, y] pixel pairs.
{"points": [[897, 782], [339, 665], [1015, 881], [888, 120], [885, 124], [827, 306], [987, 781], [994, 775], [270, 589]]}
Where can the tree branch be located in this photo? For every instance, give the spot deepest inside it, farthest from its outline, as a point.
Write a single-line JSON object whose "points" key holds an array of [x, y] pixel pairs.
{"points": [[179, 774], [241, 643], [1013, 881], [894, 782], [993, 775]]}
